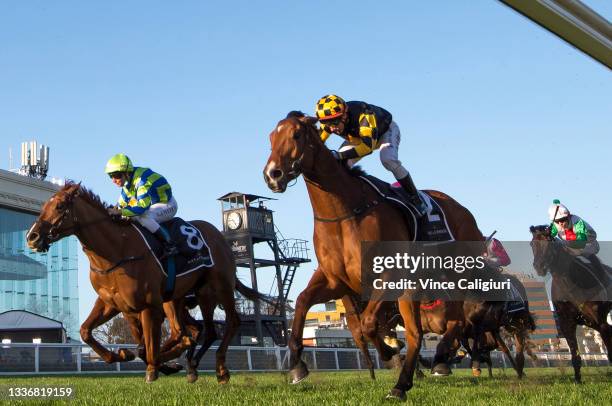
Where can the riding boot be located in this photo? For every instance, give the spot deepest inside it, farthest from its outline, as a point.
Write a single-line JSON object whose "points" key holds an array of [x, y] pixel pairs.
{"points": [[415, 199], [169, 247]]}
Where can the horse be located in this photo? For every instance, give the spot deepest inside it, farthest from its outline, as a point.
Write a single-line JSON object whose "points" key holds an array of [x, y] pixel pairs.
{"points": [[479, 321], [346, 212], [127, 277], [575, 300]]}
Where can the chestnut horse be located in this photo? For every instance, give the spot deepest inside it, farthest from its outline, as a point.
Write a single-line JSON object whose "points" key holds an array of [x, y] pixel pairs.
{"points": [[127, 277], [346, 212], [570, 300]]}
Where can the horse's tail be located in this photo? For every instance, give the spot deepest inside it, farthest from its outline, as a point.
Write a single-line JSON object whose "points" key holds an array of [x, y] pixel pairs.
{"points": [[252, 294]]}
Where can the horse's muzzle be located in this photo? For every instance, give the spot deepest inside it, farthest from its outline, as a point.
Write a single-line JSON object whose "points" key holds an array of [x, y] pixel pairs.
{"points": [[36, 242], [275, 178]]}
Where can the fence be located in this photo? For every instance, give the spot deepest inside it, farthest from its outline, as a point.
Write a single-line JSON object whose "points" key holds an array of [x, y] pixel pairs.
{"points": [[27, 359]]}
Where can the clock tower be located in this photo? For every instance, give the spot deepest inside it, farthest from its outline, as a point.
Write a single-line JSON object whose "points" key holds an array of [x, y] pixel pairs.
{"points": [[246, 222]]}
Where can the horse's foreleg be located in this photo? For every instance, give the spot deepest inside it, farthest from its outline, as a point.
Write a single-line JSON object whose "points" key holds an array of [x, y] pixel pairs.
{"points": [[568, 329], [100, 314], [151, 319], [410, 312], [519, 342], [178, 341], [317, 291], [447, 346], [354, 324], [369, 327]]}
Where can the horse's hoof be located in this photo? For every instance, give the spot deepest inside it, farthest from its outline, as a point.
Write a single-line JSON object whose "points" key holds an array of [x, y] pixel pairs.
{"points": [[372, 374], [441, 370], [126, 356], [170, 368], [396, 394], [223, 378], [151, 376], [299, 373], [419, 374], [192, 375], [476, 372]]}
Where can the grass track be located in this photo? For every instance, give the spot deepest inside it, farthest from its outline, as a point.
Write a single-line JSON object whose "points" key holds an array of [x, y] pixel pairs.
{"points": [[549, 386]]}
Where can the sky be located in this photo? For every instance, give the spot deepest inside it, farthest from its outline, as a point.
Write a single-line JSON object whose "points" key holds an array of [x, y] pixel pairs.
{"points": [[493, 110]]}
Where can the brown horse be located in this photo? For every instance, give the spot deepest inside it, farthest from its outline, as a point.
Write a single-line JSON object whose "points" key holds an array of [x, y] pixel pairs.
{"points": [[571, 301], [128, 279], [346, 212]]}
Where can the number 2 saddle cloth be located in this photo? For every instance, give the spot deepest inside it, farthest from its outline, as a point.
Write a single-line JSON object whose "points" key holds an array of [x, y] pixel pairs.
{"points": [[194, 252]]}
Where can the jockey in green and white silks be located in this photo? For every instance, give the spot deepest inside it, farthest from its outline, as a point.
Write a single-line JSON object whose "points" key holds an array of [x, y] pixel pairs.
{"points": [[577, 235], [146, 197]]}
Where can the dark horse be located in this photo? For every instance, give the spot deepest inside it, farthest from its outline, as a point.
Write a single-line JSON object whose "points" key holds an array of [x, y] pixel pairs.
{"points": [[478, 322], [578, 297], [128, 279], [346, 212]]}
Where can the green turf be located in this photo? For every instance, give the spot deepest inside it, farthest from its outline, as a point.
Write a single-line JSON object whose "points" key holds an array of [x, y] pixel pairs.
{"points": [[550, 386]]}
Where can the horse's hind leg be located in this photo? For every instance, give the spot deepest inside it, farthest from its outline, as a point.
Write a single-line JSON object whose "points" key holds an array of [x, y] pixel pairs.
{"points": [[100, 314], [207, 307], [606, 335], [354, 324], [502, 345], [232, 322]]}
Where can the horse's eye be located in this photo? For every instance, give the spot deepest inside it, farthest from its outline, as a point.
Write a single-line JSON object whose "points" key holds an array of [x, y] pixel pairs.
{"points": [[297, 134], [60, 206]]}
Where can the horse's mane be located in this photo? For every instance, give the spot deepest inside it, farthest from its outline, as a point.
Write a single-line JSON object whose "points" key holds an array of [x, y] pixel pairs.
{"points": [[87, 194], [355, 171]]}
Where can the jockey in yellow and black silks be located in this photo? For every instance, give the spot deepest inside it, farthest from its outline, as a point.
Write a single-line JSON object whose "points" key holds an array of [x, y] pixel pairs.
{"points": [[146, 197], [365, 128]]}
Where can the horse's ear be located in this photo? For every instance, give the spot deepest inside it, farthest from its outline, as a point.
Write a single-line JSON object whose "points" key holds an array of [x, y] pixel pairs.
{"points": [[532, 229]]}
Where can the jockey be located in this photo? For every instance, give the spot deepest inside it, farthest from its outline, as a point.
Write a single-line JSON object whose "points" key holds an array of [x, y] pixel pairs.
{"points": [[577, 236], [365, 127], [146, 197]]}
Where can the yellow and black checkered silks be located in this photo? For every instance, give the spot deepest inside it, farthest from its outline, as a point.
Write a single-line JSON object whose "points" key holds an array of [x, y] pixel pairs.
{"points": [[329, 107]]}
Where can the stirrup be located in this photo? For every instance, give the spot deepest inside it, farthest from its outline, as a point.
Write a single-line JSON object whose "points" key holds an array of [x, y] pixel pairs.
{"points": [[419, 206]]}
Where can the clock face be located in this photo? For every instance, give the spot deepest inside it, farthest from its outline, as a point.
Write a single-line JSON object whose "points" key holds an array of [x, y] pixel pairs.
{"points": [[234, 220]]}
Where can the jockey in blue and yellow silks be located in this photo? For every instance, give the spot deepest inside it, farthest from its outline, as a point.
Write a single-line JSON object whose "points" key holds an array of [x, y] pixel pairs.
{"points": [[146, 197]]}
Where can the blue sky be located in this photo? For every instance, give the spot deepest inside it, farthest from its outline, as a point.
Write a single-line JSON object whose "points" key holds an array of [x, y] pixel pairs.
{"points": [[493, 110]]}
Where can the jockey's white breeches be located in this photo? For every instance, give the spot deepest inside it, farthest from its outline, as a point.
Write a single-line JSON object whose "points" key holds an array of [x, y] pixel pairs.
{"points": [[157, 213], [389, 147]]}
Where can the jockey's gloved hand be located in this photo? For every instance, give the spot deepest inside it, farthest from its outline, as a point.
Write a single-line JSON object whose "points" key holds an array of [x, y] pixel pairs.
{"points": [[114, 212], [336, 154]]}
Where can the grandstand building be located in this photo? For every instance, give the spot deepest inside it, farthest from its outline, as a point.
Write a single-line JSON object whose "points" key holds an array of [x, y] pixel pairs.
{"points": [[40, 283]]}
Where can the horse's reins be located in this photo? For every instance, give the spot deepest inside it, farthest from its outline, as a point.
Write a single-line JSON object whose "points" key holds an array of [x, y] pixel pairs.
{"points": [[355, 212], [296, 170], [54, 231]]}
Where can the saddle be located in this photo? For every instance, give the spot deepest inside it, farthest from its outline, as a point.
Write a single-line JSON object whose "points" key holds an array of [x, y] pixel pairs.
{"points": [[194, 252], [590, 273], [431, 227]]}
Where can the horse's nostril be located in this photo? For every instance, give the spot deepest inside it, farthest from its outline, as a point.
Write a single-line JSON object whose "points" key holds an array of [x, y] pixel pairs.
{"points": [[276, 174], [32, 236]]}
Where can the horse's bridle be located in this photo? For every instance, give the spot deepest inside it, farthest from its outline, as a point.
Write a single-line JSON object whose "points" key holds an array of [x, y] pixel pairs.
{"points": [[55, 231]]}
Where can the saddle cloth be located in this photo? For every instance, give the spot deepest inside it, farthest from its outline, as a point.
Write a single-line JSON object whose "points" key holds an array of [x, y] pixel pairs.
{"points": [[432, 227], [194, 252]]}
